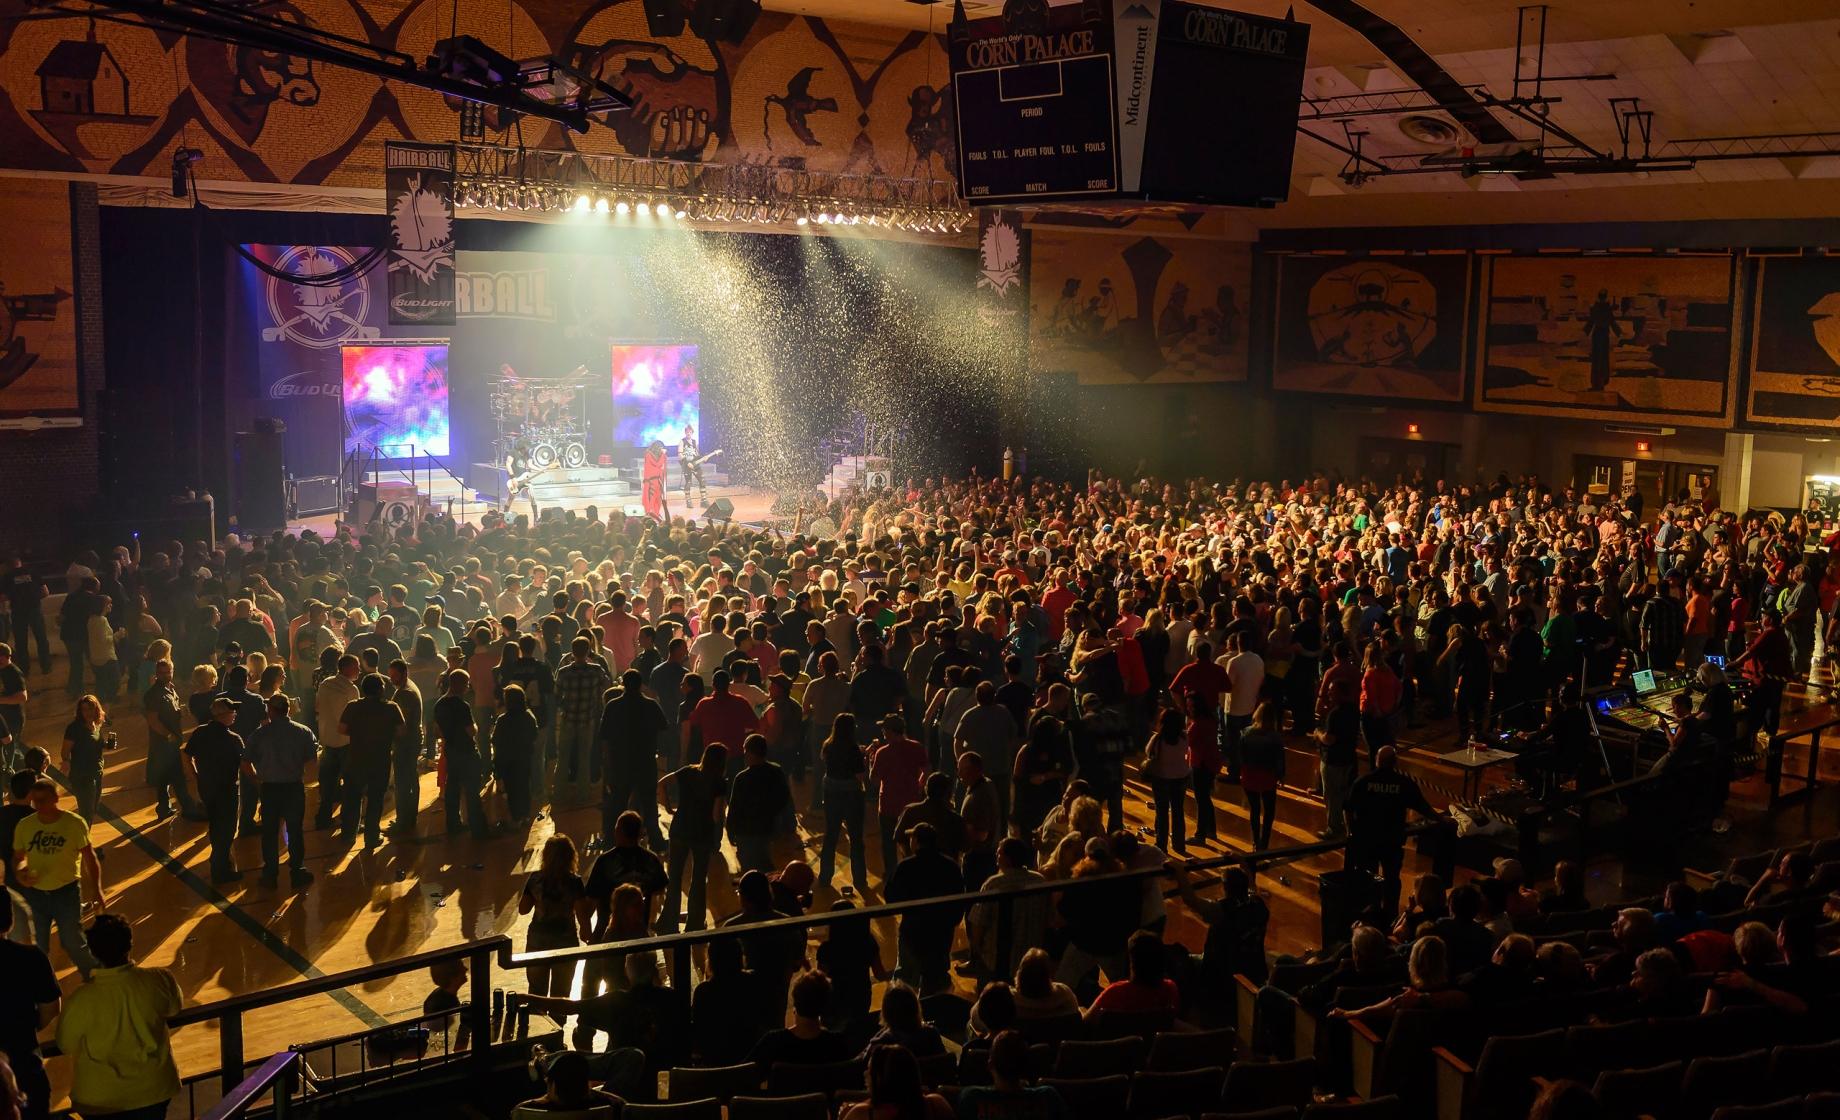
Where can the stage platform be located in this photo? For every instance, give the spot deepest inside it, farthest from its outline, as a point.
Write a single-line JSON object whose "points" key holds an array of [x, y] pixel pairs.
{"points": [[576, 490]]}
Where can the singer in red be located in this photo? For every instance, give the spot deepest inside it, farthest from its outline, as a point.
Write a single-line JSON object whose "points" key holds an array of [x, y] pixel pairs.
{"points": [[651, 490]]}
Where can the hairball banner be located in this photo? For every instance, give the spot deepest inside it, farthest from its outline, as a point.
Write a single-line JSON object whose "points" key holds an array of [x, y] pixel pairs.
{"points": [[419, 191]]}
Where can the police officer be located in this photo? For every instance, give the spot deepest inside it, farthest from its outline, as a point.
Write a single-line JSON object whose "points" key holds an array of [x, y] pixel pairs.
{"points": [[1376, 811], [216, 755]]}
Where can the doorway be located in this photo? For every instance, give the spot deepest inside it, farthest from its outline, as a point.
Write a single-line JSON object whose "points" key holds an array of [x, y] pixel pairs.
{"points": [[1659, 481], [1387, 460]]}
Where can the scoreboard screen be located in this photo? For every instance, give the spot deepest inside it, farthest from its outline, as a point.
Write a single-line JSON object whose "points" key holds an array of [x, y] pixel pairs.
{"points": [[1047, 130], [1164, 100], [1044, 126]]}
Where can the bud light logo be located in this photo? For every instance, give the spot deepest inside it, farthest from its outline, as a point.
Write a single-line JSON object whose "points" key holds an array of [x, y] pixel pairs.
{"points": [[306, 383]]}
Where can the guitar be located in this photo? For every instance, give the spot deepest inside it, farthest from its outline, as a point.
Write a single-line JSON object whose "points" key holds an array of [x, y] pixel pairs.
{"points": [[701, 459], [518, 482]]}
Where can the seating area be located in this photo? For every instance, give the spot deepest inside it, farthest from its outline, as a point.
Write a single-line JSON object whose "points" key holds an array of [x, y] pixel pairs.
{"points": [[1689, 1006]]}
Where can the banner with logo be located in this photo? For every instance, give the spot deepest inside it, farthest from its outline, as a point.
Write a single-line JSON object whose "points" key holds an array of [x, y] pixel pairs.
{"points": [[1134, 33], [1003, 310], [298, 330], [419, 191]]}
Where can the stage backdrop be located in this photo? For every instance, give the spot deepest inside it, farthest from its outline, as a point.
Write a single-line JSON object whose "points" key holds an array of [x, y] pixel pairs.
{"points": [[1640, 339], [1136, 309], [793, 336], [38, 317], [1795, 343], [1372, 326], [297, 331]]}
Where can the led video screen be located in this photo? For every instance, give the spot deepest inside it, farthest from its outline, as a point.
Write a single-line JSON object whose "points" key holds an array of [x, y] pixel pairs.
{"points": [[396, 399], [655, 393]]}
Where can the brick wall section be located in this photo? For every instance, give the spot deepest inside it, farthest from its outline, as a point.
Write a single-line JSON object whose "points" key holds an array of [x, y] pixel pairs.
{"points": [[53, 476]]}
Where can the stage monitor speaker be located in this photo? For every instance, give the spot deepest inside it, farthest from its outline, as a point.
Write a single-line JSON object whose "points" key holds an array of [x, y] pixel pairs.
{"points": [[719, 510], [725, 20], [664, 18], [316, 495], [491, 481], [261, 483]]}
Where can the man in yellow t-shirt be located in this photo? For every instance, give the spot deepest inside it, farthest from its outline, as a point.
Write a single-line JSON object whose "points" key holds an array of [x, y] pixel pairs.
{"points": [[114, 1030], [49, 850]]}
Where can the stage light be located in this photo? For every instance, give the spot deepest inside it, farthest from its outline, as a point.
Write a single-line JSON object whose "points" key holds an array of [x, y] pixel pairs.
{"points": [[583, 203], [644, 209], [802, 219], [680, 215], [622, 208], [1411, 429], [601, 205]]}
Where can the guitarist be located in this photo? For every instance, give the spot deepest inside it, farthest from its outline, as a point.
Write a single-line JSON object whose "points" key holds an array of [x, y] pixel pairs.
{"points": [[689, 457], [518, 472]]}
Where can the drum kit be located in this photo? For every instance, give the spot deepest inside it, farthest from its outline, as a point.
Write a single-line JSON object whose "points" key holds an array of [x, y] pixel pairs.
{"points": [[546, 415]]}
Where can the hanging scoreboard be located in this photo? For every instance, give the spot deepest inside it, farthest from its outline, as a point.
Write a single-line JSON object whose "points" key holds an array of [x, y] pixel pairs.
{"points": [[1164, 100]]}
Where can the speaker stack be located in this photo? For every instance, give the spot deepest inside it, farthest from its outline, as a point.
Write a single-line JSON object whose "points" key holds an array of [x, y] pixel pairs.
{"points": [[261, 479]]}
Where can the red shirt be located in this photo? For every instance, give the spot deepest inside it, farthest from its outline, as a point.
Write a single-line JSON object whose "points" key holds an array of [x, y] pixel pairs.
{"points": [[1203, 683], [1055, 604], [1133, 998], [1379, 692], [1768, 656], [898, 771], [1131, 667], [723, 717]]}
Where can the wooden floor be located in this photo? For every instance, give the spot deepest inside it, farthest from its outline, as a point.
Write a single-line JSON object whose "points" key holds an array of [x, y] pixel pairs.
{"points": [[409, 897]]}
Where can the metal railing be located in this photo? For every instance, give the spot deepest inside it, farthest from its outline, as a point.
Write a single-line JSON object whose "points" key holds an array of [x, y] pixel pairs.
{"points": [[1773, 761], [284, 1075], [229, 1014], [679, 945], [363, 461], [276, 1079]]}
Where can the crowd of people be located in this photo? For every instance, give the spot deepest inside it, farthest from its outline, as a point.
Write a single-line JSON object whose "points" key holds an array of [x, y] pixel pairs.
{"points": [[983, 662]]}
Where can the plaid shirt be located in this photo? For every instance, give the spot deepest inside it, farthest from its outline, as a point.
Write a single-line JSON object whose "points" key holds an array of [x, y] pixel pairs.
{"points": [[580, 690]]}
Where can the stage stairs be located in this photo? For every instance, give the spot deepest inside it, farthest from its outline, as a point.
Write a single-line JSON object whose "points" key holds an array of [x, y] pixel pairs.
{"points": [[867, 471]]}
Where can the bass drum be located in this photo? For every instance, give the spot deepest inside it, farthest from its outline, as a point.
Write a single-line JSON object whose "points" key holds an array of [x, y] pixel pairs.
{"points": [[543, 455], [574, 456]]}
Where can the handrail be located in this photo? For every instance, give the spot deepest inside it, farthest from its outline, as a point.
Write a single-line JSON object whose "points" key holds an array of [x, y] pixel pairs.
{"points": [[279, 1073], [415, 454], [332, 982], [498, 949], [1773, 759], [228, 1013], [1528, 821], [685, 940]]}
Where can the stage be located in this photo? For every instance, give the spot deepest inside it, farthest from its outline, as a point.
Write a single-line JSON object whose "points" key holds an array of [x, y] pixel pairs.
{"points": [[602, 489]]}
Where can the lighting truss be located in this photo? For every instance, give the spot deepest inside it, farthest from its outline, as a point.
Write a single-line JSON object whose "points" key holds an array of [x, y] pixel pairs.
{"points": [[246, 23], [535, 179]]}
